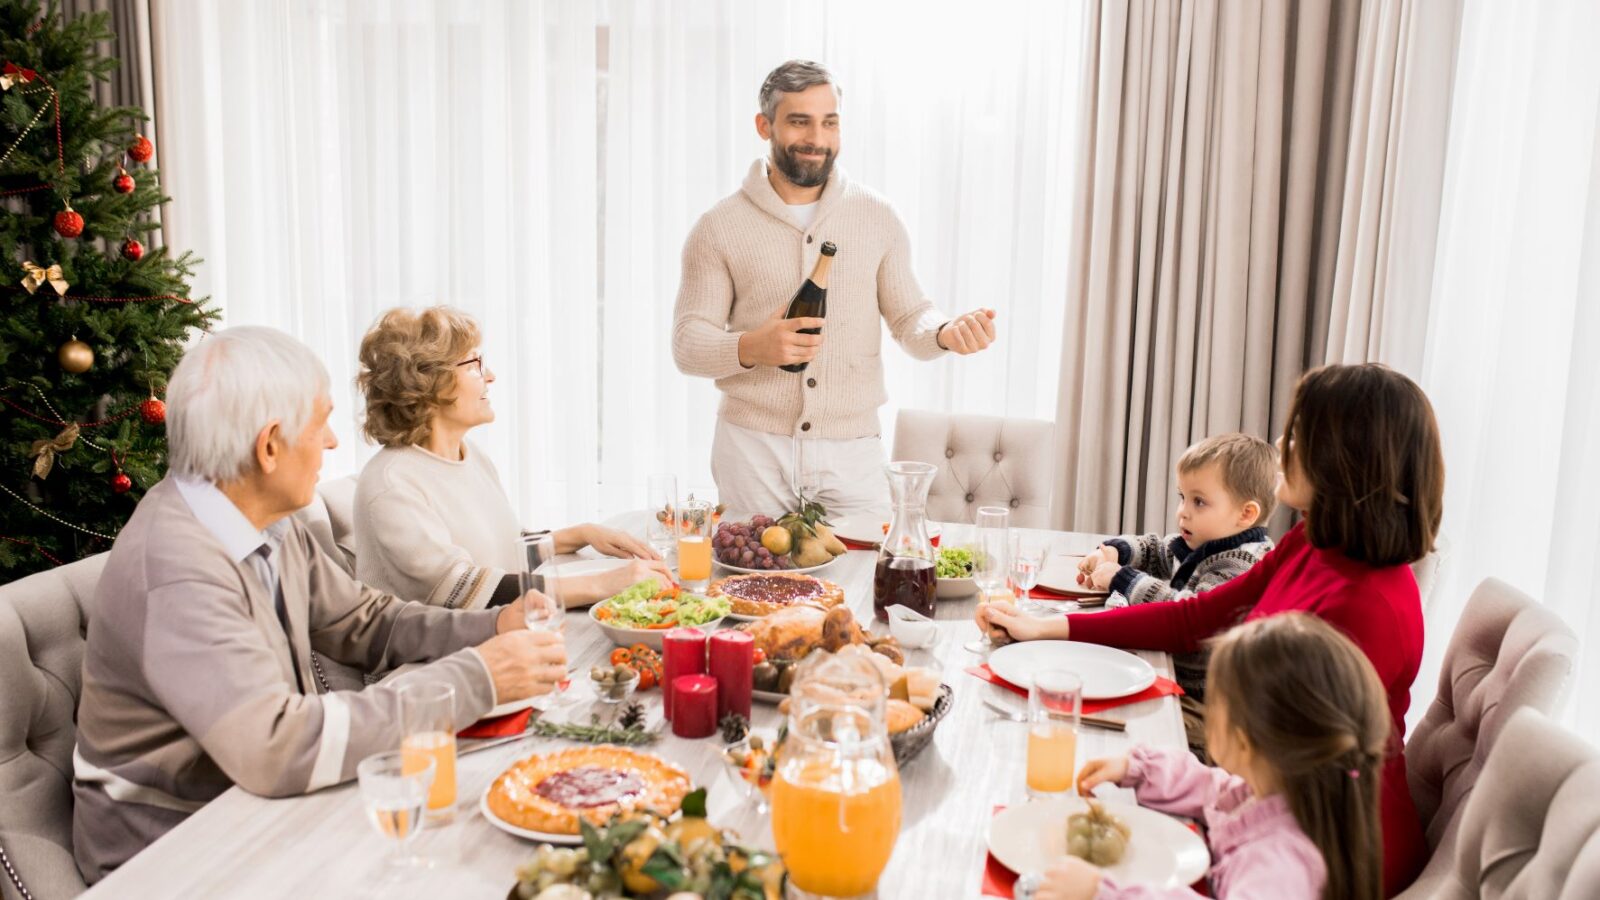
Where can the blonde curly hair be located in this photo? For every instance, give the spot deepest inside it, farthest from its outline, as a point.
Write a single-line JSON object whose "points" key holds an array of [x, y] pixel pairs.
{"points": [[408, 365]]}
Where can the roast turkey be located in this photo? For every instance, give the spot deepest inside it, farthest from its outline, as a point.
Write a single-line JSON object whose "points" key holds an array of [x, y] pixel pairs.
{"points": [[794, 632]]}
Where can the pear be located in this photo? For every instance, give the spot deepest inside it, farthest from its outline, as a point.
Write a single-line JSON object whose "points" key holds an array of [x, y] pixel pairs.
{"points": [[811, 552], [829, 540]]}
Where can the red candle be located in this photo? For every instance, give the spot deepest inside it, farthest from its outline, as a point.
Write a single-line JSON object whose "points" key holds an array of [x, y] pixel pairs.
{"points": [[694, 705], [733, 659], [683, 652]]}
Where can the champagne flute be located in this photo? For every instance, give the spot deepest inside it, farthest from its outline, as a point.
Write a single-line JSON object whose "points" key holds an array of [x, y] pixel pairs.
{"points": [[542, 607], [991, 527], [396, 800], [661, 498], [807, 478]]}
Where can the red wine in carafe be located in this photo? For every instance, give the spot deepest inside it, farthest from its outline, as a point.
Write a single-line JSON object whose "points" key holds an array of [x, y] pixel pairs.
{"points": [[903, 580]]}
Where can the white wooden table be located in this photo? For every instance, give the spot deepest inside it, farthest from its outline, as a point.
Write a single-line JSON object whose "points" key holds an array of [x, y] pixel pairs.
{"points": [[321, 845]]}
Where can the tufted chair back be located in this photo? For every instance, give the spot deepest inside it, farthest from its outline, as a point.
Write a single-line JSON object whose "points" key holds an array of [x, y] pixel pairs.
{"points": [[1531, 829], [41, 675], [983, 461], [1508, 652]]}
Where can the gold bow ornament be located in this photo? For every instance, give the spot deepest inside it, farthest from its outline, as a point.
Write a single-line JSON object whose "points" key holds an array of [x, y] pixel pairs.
{"points": [[44, 452], [35, 277]]}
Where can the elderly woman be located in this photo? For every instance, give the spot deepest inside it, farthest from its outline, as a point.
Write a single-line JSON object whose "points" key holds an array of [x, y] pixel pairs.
{"points": [[432, 523]]}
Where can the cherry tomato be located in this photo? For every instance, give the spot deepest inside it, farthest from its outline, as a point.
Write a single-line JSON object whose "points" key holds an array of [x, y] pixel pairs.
{"points": [[647, 678], [761, 656], [642, 650], [621, 656]]}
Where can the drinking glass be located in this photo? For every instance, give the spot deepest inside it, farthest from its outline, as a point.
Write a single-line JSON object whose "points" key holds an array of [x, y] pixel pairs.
{"points": [[991, 544], [395, 800], [661, 498], [428, 738], [1027, 561], [542, 606], [806, 471], [694, 544], [1055, 704]]}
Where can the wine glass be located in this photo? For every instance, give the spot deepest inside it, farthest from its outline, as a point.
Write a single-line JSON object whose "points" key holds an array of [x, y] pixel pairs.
{"points": [[661, 499], [991, 528], [396, 797], [806, 471], [1027, 561], [542, 607]]}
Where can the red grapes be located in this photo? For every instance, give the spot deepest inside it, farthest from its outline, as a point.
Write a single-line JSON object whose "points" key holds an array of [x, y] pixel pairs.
{"points": [[739, 544]]}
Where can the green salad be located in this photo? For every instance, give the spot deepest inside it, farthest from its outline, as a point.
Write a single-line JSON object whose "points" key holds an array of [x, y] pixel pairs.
{"points": [[955, 562], [648, 605]]}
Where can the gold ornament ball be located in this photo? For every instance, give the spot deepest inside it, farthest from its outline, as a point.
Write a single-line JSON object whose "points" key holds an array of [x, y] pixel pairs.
{"points": [[75, 356]]}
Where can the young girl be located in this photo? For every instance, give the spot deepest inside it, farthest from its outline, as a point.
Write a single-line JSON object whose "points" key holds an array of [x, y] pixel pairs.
{"points": [[1297, 721], [1361, 460]]}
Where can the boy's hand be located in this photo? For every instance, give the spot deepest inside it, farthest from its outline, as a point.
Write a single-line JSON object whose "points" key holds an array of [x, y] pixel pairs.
{"points": [[1069, 879], [1100, 580], [1093, 559]]}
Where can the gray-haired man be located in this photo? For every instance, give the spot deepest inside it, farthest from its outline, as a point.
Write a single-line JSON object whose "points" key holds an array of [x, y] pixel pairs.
{"points": [[198, 673], [741, 264]]}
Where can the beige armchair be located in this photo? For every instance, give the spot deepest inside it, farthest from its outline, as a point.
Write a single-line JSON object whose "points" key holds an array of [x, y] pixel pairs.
{"points": [[1507, 653], [42, 627], [1531, 829], [983, 461]]}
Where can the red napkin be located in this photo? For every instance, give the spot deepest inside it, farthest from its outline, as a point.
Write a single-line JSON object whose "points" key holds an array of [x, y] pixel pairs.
{"points": [[1052, 593], [856, 545], [1162, 688], [508, 725]]}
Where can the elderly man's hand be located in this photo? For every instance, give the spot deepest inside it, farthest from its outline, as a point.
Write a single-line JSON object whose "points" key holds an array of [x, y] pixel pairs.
{"points": [[524, 663]]}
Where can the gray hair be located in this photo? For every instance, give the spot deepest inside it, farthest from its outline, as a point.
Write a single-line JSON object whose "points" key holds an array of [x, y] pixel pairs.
{"points": [[793, 77], [230, 386]]}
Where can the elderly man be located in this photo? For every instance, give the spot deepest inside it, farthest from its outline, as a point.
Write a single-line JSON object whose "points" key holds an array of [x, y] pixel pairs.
{"points": [[199, 673]]}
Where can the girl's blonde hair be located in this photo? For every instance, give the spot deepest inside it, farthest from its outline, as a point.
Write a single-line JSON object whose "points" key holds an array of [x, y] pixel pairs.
{"points": [[408, 365], [1309, 703]]}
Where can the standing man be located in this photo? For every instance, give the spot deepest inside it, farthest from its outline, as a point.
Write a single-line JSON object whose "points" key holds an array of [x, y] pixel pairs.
{"points": [[742, 263]]}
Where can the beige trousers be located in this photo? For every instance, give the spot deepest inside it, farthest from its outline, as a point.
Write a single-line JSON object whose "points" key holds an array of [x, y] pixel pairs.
{"points": [[755, 470]]}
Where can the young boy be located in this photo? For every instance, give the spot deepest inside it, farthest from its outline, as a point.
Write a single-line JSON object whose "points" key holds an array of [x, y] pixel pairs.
{"points": [[1226, 490]]}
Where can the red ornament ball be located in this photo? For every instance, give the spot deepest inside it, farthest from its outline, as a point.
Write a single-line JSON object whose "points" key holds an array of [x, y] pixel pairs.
{"points": [[123, 183], [153, 411], [132, 250], [121, 483], [68, 223], [141, 149]]}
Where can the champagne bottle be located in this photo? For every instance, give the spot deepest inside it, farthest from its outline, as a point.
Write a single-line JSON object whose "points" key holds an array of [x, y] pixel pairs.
{"points": [[811, 301]]}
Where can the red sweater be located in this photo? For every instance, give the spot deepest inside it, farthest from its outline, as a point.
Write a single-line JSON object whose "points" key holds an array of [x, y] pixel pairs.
{"points": [[1378, 608]]}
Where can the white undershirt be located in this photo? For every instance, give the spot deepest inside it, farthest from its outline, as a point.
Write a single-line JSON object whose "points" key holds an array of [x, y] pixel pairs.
{"points": [[803, 213]]}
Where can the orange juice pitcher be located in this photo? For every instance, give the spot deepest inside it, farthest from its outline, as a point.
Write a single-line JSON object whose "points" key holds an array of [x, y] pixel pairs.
{"points": [[836, 792]]}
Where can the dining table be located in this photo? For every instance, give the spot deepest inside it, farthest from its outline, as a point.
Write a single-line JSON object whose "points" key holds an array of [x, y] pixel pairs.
{"points": [[323, 845]]}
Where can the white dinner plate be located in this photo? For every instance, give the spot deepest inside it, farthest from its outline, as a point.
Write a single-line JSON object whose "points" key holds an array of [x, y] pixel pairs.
{"points": [[1060, 574], [508, 828], [1162, 852], [579, 567], [868, 529], [510, 706], [1106, 671]]}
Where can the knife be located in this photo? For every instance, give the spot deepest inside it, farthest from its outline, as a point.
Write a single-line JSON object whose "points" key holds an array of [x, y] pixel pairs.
{"points": [[1006, 712]]}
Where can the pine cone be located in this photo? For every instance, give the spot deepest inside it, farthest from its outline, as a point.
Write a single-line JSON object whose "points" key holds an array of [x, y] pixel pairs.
{"points": [[632, 716], [734, 728]]}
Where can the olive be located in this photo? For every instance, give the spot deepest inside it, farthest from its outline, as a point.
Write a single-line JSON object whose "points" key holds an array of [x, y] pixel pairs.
{"points": [[765, 677], [623, 673], [786, 680]]}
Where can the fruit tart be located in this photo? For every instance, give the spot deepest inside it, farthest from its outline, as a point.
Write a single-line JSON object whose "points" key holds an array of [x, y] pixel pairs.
{"points": [[763, 594], [549, 792]]}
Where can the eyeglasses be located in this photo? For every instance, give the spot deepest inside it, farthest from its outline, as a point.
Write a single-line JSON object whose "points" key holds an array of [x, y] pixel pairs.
{"points": [[476, 363]]}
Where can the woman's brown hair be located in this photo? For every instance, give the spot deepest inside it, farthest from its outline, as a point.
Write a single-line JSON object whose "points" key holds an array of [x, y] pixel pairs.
{"points": [[1365, 438], [1309, 703], [408, 365]]}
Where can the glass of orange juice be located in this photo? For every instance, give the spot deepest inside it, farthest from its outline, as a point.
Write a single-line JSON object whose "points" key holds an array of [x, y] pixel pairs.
{"points": [[1055, 704], [428, 732], [694, 544]]}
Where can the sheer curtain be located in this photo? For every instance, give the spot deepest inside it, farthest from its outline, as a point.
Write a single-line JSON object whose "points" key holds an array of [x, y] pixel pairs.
{"points": [[962, 117], [1515, 317], [333, 158]]}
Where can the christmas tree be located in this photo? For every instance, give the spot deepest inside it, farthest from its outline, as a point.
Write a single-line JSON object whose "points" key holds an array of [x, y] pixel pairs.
{"points": [[94, 315]]}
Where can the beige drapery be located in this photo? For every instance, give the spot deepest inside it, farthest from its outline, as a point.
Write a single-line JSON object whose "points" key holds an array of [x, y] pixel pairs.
{"points": [[1212, 196]]}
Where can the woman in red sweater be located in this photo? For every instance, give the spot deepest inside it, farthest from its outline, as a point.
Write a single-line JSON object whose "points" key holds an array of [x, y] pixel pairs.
{"points": [[1361, 461]]}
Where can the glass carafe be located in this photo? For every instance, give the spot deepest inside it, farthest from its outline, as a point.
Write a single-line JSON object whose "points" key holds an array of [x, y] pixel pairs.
{"points": [[906, 573], [836, 791]]}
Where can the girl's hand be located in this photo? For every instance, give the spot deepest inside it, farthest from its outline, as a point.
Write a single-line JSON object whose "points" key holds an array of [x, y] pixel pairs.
{"points": [[1003, 622], [1069, 879], [1099, 771], [1100, 580]]}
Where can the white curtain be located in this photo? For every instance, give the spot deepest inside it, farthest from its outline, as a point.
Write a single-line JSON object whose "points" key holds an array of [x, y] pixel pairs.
{"points": [[961, 116], [539, 165], [1515, 320], [333, 158]]}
